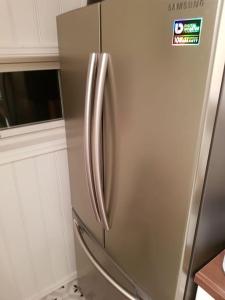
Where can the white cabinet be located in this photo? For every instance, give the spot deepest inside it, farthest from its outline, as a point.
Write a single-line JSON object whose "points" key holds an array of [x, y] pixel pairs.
{"points": [[202, 295], [28, 27]]}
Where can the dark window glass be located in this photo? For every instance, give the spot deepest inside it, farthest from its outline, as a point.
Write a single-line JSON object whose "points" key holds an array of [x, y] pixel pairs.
{"points": [[29, 97], [93, 1]]}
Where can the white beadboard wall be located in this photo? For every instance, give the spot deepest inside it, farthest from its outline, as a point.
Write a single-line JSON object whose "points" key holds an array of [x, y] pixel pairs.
{"points": [[28, 27], [36, 233], [36, 236]]}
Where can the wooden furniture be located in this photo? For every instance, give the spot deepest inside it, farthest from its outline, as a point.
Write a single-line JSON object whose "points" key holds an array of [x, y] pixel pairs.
{"points": [[212, 278]]}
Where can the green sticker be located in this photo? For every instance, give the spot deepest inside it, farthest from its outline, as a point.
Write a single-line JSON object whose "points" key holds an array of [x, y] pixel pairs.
{"points": [[187, 32]]}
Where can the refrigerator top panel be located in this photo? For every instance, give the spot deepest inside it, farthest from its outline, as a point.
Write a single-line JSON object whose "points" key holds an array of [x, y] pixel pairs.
{"points": [[164, 76]]}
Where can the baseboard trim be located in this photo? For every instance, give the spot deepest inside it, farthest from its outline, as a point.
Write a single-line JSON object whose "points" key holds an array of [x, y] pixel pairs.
{"points": [[54, 287]]}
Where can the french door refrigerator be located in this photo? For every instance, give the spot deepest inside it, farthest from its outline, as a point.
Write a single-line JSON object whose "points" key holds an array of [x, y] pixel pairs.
{"points": [[142, 86]]}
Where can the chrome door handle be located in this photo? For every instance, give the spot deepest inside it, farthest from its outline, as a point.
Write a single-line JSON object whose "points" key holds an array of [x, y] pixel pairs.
{"points": [[92, 69], [100, 268], [97, 143]]}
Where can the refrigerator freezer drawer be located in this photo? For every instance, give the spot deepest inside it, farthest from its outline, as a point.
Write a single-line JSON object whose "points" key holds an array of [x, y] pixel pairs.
{"points": [[103, 275]]}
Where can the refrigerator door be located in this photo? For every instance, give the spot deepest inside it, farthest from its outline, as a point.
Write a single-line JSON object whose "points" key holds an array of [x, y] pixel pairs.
{"points": [[79, 36], [154, 107], [210, 233]]}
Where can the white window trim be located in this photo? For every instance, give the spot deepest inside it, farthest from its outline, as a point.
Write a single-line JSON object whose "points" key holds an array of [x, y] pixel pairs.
{"points": [[26, 129], [30, 141]]}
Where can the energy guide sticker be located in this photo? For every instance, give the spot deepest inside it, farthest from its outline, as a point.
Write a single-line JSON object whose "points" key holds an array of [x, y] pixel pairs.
{"points": [[187, 32]]}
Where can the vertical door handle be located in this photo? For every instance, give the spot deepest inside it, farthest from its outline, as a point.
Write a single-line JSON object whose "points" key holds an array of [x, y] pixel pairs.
{"points": [[97, 137], [91, 75]]}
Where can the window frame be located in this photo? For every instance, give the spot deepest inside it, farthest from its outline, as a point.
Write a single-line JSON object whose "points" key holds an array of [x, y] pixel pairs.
{"points": [[22, 64]]}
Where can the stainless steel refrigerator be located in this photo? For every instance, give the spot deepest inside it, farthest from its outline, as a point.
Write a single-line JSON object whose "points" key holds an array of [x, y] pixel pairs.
{"points": [[144, 105]]}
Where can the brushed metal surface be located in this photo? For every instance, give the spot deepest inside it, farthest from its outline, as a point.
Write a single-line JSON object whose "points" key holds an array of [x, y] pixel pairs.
{"points": [[78, 33], [210, 233], [91, 281], [91, 76], [212, 94], [155, 107], [97, 138], [127, 294]]}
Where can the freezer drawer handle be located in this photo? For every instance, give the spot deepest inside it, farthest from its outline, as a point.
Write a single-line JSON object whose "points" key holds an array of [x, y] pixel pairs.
{"points": [[91, 75], [100, 268], [97, 137]]}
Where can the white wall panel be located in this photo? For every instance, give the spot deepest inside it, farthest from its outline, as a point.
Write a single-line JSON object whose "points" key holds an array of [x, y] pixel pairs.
{"points": [[49, 194], [6, 26], [62, 171], [13, 229], [27, 189], [25, 24], [7, 278], [28, 27], [36, 232], [47, 12]]}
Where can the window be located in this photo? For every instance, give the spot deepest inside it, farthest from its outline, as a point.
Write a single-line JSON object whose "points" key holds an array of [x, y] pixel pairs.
{"points": [[29, 97]]}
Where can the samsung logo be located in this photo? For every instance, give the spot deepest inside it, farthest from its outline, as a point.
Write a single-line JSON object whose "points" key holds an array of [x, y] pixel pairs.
{"points": [[188, 4]]}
